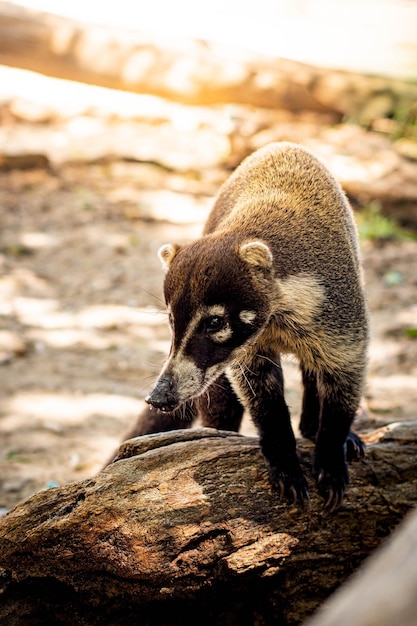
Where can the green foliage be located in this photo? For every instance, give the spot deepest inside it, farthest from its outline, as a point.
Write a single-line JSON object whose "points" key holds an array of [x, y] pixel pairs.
{"points": [[405, 118], [372, 225], [16, 250], [15, 456]]}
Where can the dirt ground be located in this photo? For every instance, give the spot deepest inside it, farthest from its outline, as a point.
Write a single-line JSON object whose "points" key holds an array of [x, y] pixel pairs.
{"points": [[83, 330]]}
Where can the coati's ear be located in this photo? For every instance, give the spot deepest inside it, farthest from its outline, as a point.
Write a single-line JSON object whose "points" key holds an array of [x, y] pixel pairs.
{"points": [[166, 253], [257, 254]]}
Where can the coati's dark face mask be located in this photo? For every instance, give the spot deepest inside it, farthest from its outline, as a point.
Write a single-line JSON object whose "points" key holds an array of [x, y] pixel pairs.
{"points": [[215, 311]]}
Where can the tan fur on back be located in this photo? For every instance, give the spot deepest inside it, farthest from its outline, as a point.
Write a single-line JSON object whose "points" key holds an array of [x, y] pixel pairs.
{"points": [[284, 196]]}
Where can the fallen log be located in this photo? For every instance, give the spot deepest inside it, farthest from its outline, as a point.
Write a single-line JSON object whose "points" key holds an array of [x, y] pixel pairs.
{"points": [[183, 528], [189, 71], [384, 591]]}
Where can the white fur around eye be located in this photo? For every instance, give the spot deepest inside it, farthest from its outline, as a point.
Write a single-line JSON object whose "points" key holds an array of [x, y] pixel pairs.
{"points": [[247, 317], [222, 335], [226, 332], [215, 309]]}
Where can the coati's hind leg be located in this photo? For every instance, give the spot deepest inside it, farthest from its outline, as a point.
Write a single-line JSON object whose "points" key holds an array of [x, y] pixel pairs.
{"points": [[220, 407], [339, 398], [310, 418], [310, 410], [154, 421]]}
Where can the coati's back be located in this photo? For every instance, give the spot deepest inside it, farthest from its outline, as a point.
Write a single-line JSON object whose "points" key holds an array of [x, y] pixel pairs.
{"points": [[284, 195]]}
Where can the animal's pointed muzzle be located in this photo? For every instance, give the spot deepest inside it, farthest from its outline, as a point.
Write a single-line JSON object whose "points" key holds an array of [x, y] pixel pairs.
{"points": [[162, 396]]}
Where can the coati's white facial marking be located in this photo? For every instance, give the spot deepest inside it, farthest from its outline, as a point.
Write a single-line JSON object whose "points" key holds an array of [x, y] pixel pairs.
{"points": [[208, 312], [216, 309], [188, 377], [247, 317], [225, 331], [223, 335], [212, 373]]}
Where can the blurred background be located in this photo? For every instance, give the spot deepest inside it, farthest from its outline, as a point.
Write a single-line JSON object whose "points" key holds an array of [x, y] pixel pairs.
{"points": [[118, 124]]}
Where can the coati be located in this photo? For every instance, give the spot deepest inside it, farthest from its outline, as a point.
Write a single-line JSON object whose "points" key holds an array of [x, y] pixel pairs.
{"points": [[276, 271]]}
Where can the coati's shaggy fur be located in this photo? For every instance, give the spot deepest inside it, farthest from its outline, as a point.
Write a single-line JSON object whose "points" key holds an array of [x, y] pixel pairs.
{"points": [[277, 270]]}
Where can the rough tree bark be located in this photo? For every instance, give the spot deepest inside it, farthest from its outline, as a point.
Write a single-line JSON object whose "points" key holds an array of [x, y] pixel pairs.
{"points": [[183, 528], [384, 591], [186, 70]]}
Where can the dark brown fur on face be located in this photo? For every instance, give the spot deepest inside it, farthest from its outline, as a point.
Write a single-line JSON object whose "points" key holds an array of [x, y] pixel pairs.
{"points": [[276, 271]]}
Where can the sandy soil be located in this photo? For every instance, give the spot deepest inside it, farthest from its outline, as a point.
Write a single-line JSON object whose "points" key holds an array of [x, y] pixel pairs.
{"points": [[83, 331]]}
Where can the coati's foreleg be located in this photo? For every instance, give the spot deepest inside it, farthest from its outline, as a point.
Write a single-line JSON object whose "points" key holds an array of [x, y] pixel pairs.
{"points": [[339, 398], [260, 385], [219, 406]]}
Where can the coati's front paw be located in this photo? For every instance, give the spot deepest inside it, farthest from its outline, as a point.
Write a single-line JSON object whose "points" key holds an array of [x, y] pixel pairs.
{"points": [[290, 484], [332, 483]]}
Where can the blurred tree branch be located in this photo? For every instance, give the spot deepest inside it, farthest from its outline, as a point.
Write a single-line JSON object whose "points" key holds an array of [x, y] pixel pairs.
{"points": [[186, 70]]}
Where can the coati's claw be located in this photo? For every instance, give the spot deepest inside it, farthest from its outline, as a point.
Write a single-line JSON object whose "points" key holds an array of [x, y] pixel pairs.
{"points": [[332, 483], [281, 489], [293, 487], [334, 501], [293, 495], [332, 488], [354, 447]]}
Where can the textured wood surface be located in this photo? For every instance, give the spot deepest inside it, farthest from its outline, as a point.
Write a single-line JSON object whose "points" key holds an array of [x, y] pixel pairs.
{"points": [[184, 526]]}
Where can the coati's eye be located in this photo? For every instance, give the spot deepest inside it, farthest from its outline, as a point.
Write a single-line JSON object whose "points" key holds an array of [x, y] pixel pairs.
{"points": [[214, 323]]}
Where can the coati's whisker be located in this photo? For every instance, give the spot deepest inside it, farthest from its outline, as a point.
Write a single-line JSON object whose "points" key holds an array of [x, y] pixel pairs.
{"points": [[188, 411], [157, 365], [144, 387], [246, 379], [244, 364], [218, 385], [262, 356], [152, 296]]}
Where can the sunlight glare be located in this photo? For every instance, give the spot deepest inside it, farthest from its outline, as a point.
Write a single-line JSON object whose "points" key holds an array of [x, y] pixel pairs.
{"points": [[38, 240], [71, 408], [316, 31]]}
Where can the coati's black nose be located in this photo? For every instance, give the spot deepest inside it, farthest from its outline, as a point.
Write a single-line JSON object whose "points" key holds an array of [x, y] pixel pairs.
{"points": [[162, 396]]}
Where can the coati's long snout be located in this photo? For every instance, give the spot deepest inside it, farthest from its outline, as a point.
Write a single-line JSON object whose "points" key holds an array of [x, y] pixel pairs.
{"points": [[179, 381], [162, 396]]}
